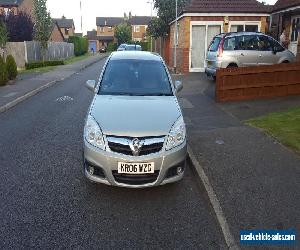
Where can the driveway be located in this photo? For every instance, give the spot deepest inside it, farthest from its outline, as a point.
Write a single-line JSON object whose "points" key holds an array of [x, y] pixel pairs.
{"points": [[256, 179]]}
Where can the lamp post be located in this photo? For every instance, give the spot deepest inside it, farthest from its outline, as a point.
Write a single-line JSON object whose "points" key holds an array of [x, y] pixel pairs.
{"points": [[176, 38], [151, 4]]}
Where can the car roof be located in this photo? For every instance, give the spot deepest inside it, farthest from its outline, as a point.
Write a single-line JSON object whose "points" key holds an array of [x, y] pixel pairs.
{"points": [[231, 34], [135, 55]]}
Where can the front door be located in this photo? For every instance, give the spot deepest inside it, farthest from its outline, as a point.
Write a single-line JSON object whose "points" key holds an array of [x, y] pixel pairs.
{"points": [[295, 23], [202, 35]]}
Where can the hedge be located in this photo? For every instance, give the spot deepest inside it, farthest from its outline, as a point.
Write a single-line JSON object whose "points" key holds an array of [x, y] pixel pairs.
{"points": [[11, 66], [81, 45], [145, 45], [34, 65]]}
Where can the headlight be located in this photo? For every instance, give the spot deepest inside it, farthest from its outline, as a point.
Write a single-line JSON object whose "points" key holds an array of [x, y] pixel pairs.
{"points": [[177, 134], [93, 133]]}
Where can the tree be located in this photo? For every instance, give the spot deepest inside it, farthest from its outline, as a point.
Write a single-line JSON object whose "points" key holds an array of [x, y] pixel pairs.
{"points": [[123, 33], [19, 27], [3, 34], [43, 23], [166, 11], [3, 72]]}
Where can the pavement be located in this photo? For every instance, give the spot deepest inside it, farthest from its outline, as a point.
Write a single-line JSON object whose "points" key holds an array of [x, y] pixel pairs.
{"points": [[29, 84], [47, 203], [255, 178]]}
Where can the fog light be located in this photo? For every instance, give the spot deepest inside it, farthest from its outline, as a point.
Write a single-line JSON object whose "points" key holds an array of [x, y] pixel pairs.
{"points": [[91, 170], [179, 170]]}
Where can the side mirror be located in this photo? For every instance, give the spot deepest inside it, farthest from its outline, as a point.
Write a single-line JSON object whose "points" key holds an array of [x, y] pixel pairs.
{"points": [[91, 84], [178, 86]]}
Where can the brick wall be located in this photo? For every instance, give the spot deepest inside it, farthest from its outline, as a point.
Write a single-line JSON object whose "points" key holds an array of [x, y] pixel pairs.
{"points": [[139, 35], [183, 49], [56, 36], [27, 6], [106, 31]]}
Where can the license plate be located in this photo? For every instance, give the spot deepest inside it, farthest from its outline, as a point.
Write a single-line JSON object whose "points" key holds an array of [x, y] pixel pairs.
{"points": [[136, 168]]}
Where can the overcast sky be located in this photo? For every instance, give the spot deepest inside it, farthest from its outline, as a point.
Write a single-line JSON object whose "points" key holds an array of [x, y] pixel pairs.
{"points": [[93, 8]]}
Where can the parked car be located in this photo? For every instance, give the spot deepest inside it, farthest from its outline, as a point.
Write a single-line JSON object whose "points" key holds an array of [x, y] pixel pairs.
{"points": [[243, 49], [134, 133], [131, 47], [122, 47], [102, 50]]}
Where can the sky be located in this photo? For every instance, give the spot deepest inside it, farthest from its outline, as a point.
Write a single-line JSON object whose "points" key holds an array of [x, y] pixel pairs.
{"points": [[93, 8]]}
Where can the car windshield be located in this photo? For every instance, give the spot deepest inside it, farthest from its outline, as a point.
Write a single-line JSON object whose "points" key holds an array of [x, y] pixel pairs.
{"points": [[136, 78]]}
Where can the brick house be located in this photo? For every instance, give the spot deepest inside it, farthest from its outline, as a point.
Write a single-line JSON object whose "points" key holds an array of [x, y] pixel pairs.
{"points": [[66, 27], [286, 14], [15, 6], [105, 32], [201, 20], [139, 26]]}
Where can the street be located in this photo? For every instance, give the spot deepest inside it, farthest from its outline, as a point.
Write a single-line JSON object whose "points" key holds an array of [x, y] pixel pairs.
{"points": [[46, 202]]}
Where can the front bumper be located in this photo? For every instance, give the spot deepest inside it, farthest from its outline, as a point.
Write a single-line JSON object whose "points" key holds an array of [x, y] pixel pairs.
{"points": [[106, 164]]}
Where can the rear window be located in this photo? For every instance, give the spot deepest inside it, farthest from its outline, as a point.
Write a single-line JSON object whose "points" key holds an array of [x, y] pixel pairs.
{"points": [[214, 44]]}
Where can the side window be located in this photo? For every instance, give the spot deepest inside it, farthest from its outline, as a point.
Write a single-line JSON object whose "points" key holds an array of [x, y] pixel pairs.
{"points": [[276, 46], [248, 42], [264, 44], [230, 44]]}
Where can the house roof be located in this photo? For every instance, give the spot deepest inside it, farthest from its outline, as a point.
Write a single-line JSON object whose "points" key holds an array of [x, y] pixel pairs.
{"points": [[54, 24], [109, 21], [285, 4], [226, 6], [139, 20], [64, 22], [10, 2]]}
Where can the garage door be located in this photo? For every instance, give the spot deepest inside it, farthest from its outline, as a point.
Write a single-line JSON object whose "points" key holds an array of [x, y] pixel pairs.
{"points": [[202, 35], [93, 46]]}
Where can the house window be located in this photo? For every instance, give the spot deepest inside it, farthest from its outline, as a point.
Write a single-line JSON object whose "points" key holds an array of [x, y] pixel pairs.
{"points": [[67, 31], [109, 28], [295, 29], [248, 27], [136, 29], [101, 29]]}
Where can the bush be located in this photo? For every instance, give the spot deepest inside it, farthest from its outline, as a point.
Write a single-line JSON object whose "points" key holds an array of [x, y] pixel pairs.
{"points": [[145, 45], [3, 72], [81, 45], [112, 47], [35, 65], [11, 67]]}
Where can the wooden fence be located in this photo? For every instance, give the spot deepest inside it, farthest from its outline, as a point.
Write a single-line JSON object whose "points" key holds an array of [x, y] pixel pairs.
{"points": [[238, 84]]}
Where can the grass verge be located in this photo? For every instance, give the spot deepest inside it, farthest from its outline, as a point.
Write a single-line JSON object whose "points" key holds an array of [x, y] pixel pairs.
{"points": [[284, 126]]}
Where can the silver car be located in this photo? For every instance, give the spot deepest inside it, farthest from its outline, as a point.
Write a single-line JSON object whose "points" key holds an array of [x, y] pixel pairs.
{"points": [[134, 134], [244, 49]]}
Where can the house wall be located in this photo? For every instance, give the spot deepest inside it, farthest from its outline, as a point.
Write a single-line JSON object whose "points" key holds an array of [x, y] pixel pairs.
{"points": [[71, 32], [183, 49], [56, 36], [26, 6], [139, 36], [106, 31]]}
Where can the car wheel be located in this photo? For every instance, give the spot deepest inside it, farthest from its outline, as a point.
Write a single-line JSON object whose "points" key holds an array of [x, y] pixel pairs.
{"points": [[230, 66]]}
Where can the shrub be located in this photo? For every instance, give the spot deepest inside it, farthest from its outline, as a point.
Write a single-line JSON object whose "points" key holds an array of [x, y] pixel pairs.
{"points": [[145, 45], [112, 47], [3, 72], [81, 45], [11, 67], [35, 65]]}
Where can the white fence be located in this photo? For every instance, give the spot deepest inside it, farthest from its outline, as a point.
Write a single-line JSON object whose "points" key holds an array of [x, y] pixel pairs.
{"points": [[25, 52]]}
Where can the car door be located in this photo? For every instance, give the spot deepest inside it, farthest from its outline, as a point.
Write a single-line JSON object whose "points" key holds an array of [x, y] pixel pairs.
{"points": [[267, 56], [248, 50]]}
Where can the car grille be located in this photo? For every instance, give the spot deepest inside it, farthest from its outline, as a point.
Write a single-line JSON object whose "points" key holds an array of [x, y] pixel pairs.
{"points": [[121, 145], [140, 179]]}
